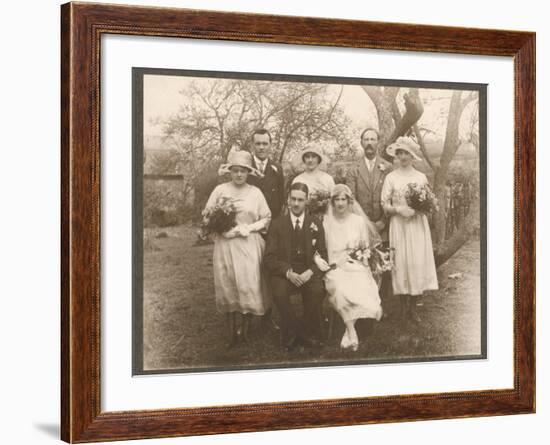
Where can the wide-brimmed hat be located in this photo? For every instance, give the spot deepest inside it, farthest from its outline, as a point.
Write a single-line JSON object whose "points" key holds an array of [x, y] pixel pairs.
{"points": [[313, 150], [239, 158], [404, 143]]}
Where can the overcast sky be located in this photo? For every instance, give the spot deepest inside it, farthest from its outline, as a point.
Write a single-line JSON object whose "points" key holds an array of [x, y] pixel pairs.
{"points": [[162, 99]]}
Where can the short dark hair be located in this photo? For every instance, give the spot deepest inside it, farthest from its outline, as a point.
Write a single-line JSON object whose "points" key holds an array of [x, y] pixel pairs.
{"points": [[299, 186], [261, 131], [370, 129]]}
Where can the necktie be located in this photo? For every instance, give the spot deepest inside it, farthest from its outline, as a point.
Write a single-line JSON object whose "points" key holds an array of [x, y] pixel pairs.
{"points": [[297, 237]]}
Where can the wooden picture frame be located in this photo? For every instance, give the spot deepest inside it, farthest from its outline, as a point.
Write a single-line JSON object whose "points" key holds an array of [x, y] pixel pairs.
{"points": [[82, 26]]}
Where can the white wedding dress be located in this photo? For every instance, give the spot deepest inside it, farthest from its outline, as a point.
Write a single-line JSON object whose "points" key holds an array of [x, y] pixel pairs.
{"points": [[352, 290]]}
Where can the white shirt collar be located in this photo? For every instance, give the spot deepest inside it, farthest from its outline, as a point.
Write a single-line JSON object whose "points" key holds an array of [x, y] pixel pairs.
{"points": [[259, 163], [300, 218], [369, 163]]}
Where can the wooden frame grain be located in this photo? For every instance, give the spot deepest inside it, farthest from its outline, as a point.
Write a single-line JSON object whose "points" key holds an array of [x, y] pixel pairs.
{"points": [[82, 25]]}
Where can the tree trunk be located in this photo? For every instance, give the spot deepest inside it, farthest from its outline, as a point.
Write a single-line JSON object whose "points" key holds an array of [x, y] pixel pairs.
{"points": [[448, 248], [450, 147], [383, 104]]}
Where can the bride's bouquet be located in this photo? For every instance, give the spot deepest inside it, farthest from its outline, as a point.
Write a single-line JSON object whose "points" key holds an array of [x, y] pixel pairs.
{"points": [[378, 258], [360, 253], [218, 219], [421, 198], [318, 202], [381, 258]]}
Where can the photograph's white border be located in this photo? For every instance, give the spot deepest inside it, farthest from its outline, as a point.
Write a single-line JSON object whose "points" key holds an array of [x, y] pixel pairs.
{"points": [[121, 391]]}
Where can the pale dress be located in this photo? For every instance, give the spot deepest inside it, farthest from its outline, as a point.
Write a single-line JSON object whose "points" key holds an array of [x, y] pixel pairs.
{"points": [[317, 181], [352, 290], [238, 282], [414, 270]]}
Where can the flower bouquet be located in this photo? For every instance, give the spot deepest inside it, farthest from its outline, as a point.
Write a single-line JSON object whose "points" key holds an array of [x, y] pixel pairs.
{"points": [[317, 203], [381, 258], [218, 219], [361, 253], [378, 258], [421, 198]]}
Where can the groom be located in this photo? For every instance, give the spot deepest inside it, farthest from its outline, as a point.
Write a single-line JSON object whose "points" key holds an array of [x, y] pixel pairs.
{"points": [[292, 242]]}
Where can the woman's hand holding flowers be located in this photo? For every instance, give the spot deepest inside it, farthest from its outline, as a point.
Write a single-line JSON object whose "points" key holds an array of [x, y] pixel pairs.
{"points": [[231, 233], [404, 210], [243, 230]]}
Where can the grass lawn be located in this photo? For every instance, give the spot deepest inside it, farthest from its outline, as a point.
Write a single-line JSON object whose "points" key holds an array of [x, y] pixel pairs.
{"points": [[182, 329]]}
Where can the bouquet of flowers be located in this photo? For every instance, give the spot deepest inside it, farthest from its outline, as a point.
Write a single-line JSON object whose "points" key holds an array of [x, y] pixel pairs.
{"points": [[218, 219], [381, 258], [421, 198], [317, 203], [361, 253]]}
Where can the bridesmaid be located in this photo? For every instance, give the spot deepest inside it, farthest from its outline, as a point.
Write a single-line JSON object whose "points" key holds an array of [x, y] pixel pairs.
{"points": [[316, 180], [238, 282], [409, 231]]}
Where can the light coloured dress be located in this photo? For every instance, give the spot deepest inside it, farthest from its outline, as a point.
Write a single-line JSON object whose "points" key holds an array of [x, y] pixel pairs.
{"points": [[238, 282], [316, 181], [352, 290], [414, 270]]}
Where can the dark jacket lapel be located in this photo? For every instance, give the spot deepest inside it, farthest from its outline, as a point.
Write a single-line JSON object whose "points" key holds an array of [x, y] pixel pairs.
{"points": [[307, 236]]}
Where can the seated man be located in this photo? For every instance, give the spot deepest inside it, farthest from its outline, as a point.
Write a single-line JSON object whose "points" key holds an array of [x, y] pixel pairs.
{"points": [[292, 242]]}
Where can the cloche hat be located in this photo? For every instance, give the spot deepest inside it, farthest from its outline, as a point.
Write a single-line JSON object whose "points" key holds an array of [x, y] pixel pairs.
{"points": [[239, 158], [404, 143]]}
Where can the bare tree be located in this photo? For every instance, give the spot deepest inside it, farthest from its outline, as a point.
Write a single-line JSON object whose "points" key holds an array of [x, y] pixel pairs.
{"points": [[219, 115]]}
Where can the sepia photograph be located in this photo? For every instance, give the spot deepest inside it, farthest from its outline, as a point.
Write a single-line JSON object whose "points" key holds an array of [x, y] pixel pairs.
{"points": [[294, 221]]}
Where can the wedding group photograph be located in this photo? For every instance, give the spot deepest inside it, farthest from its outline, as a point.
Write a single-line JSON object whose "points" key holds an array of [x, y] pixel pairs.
{"points": [[295, 221]]}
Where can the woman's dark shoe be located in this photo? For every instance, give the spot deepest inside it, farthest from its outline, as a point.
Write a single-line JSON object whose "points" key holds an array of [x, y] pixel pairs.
{"points": [[413, 314], [290, 343]]}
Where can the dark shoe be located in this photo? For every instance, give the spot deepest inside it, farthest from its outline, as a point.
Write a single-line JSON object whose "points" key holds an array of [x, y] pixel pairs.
{"points": [[413, 314], [269, 322], [414, 317], [290, 344]]}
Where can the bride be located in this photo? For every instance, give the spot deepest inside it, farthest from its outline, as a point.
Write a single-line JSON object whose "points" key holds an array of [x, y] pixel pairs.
{"points": [[352, 290]]}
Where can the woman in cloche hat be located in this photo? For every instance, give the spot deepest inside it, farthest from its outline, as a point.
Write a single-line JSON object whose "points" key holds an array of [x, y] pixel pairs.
{"points": [[409, 232], [316, 180], [240, 289]]}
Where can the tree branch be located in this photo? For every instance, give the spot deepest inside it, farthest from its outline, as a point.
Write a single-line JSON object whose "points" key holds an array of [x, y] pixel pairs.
{"points": [[472, 96], [391, 96], [423, 149]]}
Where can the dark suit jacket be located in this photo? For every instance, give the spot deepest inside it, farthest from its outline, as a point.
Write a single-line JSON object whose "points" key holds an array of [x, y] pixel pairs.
{"points": [[278, 248], [367, 187], [272, 186]]}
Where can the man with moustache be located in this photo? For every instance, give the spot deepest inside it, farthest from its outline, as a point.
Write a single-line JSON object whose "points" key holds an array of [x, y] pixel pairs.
{"points": [[365, 179], [272, 182]]}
